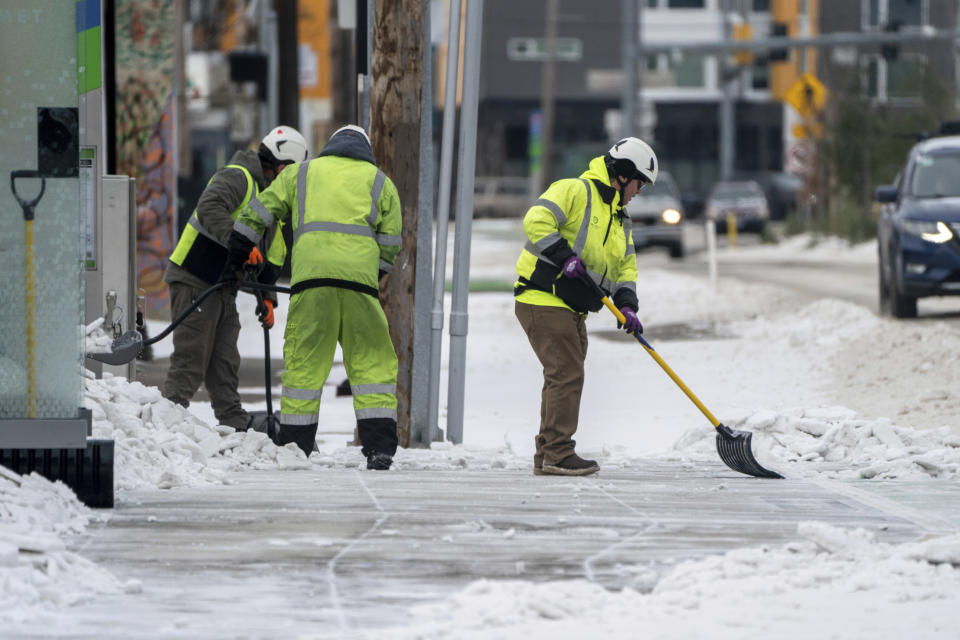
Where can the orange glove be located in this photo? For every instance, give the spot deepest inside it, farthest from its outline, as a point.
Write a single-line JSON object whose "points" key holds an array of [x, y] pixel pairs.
{"points": [[266, 316], [255, 258]]}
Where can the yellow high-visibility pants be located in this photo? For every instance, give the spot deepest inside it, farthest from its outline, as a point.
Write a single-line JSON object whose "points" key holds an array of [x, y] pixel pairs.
{"points": [[318, 319]]}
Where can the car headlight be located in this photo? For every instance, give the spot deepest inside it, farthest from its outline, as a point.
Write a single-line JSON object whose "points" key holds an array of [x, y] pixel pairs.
{"points": [[670, 216], [930, 231]]}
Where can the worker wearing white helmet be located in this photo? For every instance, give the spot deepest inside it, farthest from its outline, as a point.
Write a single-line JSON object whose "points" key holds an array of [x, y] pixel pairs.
{"points": [[577, 229], [345, 218], [205, 344]]}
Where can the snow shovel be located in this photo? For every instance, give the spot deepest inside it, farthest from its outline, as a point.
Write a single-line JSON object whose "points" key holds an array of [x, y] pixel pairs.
{"points": [[733, 445], [129, 345], [29, 211], [268, 423]]}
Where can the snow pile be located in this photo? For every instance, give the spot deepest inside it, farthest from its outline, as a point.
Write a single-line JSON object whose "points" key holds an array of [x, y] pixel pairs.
{"points": [[668, 297], [919, 365], [805, 247], [96, 339], [159, 444], [835, 443], [800, 588], [37, 572]]}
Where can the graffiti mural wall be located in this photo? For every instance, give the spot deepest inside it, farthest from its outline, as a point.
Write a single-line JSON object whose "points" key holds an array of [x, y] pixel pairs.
{"points": [[145, 133]]}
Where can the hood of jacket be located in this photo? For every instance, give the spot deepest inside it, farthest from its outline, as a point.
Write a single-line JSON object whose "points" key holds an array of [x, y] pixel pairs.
{"points": [[597, 173], [249, 159], [348, 144]]}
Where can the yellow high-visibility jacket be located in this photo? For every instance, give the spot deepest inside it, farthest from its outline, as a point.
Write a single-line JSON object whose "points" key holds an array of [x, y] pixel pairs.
{"points": [[578, 216], [344, 214]]}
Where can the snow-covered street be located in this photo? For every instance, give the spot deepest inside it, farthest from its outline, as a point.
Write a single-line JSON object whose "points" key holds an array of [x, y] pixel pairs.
{"points": [[219, 534]]}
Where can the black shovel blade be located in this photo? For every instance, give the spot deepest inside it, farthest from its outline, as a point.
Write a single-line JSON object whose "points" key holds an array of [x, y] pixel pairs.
{"points": [[734, 449], [123, 350]]}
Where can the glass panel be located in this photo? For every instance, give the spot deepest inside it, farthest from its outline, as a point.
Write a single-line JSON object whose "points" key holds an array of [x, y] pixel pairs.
{"points": [[688, 72], [41, 317], [935, 176], [872, 82], [685, 4], [904, 77], [873, 13], [761, 5], [904, 12]]}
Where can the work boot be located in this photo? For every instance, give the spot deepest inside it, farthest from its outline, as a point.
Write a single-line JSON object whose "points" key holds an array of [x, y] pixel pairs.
{"points": [[379, 461], [538, 455], [572, 465], [305, 436]]}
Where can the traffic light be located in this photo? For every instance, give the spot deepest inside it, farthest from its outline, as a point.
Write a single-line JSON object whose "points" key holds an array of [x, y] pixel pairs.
{"points": [[779, 30]]}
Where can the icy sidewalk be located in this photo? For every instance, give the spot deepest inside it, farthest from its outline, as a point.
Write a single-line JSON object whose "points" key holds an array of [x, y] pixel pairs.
{"points": [[341, 551]]}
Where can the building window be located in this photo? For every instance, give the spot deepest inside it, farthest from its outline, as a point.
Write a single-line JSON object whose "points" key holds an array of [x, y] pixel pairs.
{"points": [[895, 79], [688, 70], [905, 76], [880, 13], [761, 6], [905, 12], [760, 76], [685, 4]]}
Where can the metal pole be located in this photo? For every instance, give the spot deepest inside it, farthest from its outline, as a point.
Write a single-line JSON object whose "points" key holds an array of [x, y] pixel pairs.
{"points": [[443, 212], [628, 59], [364, 53], [421, 433], [726, 104], [461, 262], [273, 64]]}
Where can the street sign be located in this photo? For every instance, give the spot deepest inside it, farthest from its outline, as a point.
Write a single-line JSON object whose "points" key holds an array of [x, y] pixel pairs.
{"points": [[807, 95]]}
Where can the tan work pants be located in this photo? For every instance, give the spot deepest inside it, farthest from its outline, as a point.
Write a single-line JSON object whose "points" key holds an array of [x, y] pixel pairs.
{"points": [[559, 338]]}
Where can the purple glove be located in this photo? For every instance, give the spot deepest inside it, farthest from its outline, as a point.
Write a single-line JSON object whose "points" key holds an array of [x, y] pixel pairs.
{"points": [[632, 324], [573, 267]]}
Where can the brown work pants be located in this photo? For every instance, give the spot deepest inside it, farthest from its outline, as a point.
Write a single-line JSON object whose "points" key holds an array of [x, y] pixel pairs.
{"points": [[559, 338], [205, 350]]}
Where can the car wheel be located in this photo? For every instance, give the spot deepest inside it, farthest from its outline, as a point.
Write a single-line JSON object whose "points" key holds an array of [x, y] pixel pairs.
{"points": [[892, 302], [676, 251]]}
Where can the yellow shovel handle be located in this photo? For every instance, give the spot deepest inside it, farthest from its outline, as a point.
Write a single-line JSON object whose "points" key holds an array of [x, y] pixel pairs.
{"points": [[663, 365], [31, 303]]}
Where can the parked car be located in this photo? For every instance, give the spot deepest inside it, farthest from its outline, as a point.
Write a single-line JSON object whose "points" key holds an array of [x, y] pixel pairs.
{"points": [[782, 189], [742, 198], [656, 216], [918, 233]]}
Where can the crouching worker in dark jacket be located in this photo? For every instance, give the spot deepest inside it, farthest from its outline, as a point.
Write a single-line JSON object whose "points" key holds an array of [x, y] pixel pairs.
{"points": [[205, 343]]}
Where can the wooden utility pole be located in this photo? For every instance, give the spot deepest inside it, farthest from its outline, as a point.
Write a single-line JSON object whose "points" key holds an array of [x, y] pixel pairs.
{"points": [[395, 98]]}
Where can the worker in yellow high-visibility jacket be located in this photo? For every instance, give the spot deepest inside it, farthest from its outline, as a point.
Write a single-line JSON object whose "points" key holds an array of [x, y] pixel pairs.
{"points": [[345, 217]]}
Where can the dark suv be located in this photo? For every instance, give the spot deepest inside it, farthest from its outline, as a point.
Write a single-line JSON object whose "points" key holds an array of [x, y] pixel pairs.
{"points": [[918, 235]]}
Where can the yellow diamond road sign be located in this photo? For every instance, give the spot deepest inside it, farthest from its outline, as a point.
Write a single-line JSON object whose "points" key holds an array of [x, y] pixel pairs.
{"points": [[807, 95]]}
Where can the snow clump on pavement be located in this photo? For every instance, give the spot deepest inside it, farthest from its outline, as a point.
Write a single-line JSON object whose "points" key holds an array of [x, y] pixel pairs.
{"points": [[804, 586]]}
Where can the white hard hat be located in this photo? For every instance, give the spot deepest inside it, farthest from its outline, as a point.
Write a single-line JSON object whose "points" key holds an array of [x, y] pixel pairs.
{"points": [[353, 127], [286, 144], [631, 156]]}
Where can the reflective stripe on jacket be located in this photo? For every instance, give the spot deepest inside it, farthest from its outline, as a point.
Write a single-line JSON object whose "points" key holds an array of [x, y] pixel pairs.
{"points": [[573, 210], [345, 217]]}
